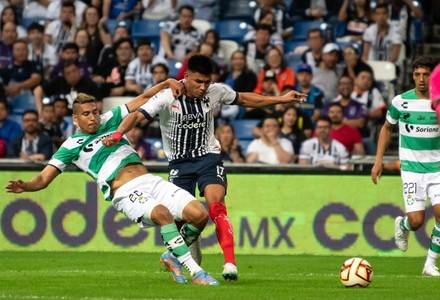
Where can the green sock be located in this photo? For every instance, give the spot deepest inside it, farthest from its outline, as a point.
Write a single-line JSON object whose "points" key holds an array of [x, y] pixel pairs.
{"points": [[190, 233], [404, 224], [435, 238], [173, 240]]}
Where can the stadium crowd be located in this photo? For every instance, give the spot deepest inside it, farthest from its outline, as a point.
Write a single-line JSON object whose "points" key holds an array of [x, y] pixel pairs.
{"points": [[52, 50]]}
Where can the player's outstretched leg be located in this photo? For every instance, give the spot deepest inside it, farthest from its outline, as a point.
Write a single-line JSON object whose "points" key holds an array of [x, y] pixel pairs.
{"points": [[225, 235], [401, 233], [430, 268], [203, 278]]}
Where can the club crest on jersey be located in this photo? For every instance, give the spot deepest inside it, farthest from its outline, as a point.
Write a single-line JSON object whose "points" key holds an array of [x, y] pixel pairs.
{"points": [[205, 100]]}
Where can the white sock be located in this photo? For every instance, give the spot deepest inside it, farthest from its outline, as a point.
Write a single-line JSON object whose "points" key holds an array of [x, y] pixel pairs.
{"points": [[431, 258], [189, 263]]}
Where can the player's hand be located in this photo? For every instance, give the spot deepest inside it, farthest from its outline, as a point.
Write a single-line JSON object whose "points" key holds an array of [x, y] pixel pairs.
{"points": [[295, 96], [15, 186], [112, 140], [176, 86], [376, 172]]}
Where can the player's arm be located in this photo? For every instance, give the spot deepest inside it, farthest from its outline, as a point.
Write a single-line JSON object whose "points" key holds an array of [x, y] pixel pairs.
{"points": [[382, 144], [256, 100], [37, 183], [126, 125], [137, 102]]}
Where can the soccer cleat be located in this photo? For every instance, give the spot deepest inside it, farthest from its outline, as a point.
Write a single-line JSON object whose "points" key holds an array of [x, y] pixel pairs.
{"points": [[431, 271], [172, 264], [203, 278], [230, 272], [400, 235]]}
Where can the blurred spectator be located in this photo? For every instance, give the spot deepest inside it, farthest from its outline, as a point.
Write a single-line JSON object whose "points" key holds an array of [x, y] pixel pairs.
{"points": [[212, 37], [139, 76], [255, 50], [111, 74], [120, 9], [86, 53], [31, 144], [59, 32], [266, 18], [382, 41], [275, 62], [316, 10], [143, 148], [231, 150], [326, 76], [279, 17], [323, 150], [160, 72], [346, 135], [355, 113], [22, 75], [294, 128], [40, 52], [239, 77], [357, 16], [108, 52], [8, 128], [35, 8], [203, 9], [55, 7], [270, 148], [61, 111], [159, 9], [179, 39], [69, 85], [353, 62], [8, 37], [48, 126], [9, 15], [70, 51], [315, 96], [316, 42], [97, 32]]}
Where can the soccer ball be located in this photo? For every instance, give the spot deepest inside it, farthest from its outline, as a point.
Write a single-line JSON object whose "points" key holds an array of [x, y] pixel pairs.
{"points": [[356, 272]]}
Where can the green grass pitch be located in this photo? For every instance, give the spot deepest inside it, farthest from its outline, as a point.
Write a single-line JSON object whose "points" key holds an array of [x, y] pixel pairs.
{"points": [[124, 275]]}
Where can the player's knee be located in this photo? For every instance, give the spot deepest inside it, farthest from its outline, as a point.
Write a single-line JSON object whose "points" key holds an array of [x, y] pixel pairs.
{"points": [[196, 214], [416, 222], [160, 215]]}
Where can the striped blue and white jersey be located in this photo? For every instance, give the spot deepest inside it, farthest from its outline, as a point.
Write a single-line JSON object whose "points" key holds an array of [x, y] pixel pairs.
{"points": [[187, 125]]}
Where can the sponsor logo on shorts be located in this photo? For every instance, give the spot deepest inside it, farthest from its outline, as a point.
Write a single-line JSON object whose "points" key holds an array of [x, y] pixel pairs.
{"points": [[409, 200]]}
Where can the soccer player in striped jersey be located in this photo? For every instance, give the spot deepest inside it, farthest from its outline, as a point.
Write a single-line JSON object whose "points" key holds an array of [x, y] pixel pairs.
{"points": [[187, 125], [419, 154], [145, 199]]}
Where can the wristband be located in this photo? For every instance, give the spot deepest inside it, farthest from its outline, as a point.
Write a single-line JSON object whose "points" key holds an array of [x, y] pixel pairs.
{"points": [[117, 136]]}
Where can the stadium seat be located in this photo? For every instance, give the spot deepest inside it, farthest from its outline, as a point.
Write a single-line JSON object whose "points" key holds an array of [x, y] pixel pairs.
{"points": [[243, 128], [174, 67], [146, 29], [302, 28], [237, 9], [15, 117], [203, 25], [25, 22], [109, 103], [22, 102], [339, 29], [290, 46], [232, 30], [244, 144], [293, 60], [113, 23], [385, 72], [228, 47]]}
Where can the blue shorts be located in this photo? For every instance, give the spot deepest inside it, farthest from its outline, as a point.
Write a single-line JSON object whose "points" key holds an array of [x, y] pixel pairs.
{"points": [[204, 170]]}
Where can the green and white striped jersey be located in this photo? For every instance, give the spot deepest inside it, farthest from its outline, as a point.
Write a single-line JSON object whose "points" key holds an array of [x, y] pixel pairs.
{"points": [[419, 133], [88, 153]]}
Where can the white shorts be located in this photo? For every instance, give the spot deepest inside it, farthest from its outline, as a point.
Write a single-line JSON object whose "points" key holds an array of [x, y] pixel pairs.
{"points": [[138, 197], [417, 187]]}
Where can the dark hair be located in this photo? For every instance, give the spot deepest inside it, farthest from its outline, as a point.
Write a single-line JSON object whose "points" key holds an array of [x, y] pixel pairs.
{"points": [[188, 7], [283, 65], [321, 34], [13, 11], [48, 104], [200, 64], [426, 61], [20, 41], [123, 40], [70, 45], [216, 44], [83, 98], [270, 116], [335, 104], [6, 104], [60, 98], [324, 118], [381, 5], [69, 62], [35, 26], [346, 76], [260, 26], [143, 42], [164, 66], [29, 111], [68, 4]]}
